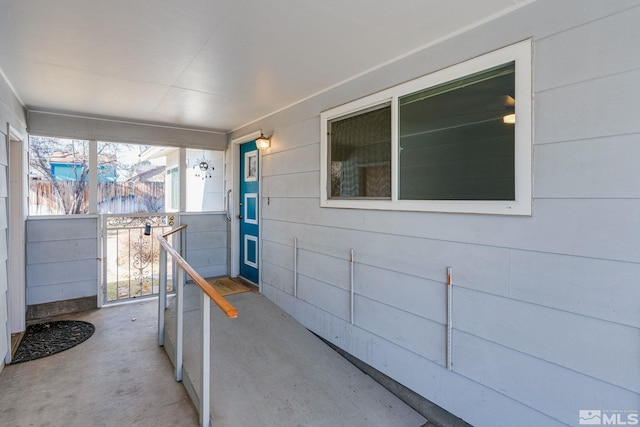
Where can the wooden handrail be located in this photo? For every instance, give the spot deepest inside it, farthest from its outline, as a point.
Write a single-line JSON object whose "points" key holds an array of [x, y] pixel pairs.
{"points": [[220, 301], [174, 230]]}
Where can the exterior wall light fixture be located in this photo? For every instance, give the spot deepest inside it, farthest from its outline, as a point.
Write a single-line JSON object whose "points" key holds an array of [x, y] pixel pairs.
{"points": [[262, 141]]}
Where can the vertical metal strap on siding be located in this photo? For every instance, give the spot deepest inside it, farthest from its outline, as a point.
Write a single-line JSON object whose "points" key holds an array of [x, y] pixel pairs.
{"points": [[205, 382], [351, 284], [162, 296], [449, 317], [295, 267]]}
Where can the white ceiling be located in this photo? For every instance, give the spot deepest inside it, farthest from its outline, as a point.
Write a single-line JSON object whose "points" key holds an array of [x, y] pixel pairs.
{"points": [[211, 64]]}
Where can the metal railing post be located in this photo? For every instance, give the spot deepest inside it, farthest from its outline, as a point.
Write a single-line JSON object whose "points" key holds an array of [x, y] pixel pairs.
{"points": [[179, 323], [205, 395], [162, 295], [183, 244], [207, 295]]}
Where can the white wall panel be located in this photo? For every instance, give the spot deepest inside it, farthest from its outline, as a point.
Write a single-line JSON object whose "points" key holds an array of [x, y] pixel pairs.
{"points": [[606, 48], [295, 135], [593, 109], [5, 337], [62, 259], [558, 226], [207, 257], [582, 344], [277, 277], [206, 240], [302, 159], [545, 311], [415, 295], [606, 290], [3, 278], [278, 254], [3, 208], [12, 113], [212, 270], [71, 126], [560, 392], [328, 269], [61, 250], [3, 172], [62, 228], [443, 387], [204, 222], [592, 168], [68, 290], [414, 333], [299, 185], [207, 249], [329, 298], [60, 273]]}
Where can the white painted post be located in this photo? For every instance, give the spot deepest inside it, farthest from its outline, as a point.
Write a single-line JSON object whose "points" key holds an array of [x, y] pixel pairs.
{"points": [[183, 249], [179, 322], [162, 295], [205, 395]]}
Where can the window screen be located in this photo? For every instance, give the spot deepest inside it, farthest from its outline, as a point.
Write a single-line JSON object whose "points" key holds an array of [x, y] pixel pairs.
{"points": [[360, 154]]}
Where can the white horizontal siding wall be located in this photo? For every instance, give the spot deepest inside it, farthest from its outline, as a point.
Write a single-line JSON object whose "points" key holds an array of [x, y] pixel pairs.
{"points": [[546, 315], [11, 112], [62, 258], [207, 243], [4, 308]]}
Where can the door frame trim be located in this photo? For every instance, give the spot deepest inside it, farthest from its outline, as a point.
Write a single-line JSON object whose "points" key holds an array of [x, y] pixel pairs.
{"points": [[234, 177], [17, 212]]}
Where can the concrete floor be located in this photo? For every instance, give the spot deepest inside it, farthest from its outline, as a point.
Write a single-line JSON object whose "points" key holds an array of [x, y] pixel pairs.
{"points": [[118, 377], [268, 370]]}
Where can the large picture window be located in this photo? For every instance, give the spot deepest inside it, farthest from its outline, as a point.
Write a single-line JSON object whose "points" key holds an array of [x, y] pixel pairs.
{"points": [[70, 177], [458, 140], [58, 176]]}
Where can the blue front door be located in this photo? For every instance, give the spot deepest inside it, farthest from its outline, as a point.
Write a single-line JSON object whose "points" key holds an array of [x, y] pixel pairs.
{"points": [[249, 211]]}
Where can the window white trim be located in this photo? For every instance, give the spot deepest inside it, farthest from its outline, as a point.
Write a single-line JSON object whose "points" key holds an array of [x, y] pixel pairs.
{"points": [[253, 239], [247, 218], [520, 53]]}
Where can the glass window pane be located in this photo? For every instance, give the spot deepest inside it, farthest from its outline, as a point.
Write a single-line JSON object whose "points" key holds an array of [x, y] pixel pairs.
{"points": [[204, 180], [454, 143], [129, 181], [172, 189], [360, 154], [58, 176]]}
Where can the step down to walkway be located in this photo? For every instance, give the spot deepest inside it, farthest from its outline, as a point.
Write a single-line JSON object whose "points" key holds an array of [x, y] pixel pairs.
{"points": [[269, 370]]}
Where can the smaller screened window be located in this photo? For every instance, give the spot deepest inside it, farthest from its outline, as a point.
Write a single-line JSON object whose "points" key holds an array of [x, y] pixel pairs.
{"points": [[445, 142], [360, 154]]}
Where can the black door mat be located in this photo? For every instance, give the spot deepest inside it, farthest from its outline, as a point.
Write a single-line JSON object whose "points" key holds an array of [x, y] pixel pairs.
{"points": [[44, 339]]}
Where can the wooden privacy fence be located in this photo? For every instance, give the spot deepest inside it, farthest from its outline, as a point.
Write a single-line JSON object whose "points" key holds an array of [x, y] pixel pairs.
{"points": [[113, 197]]}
